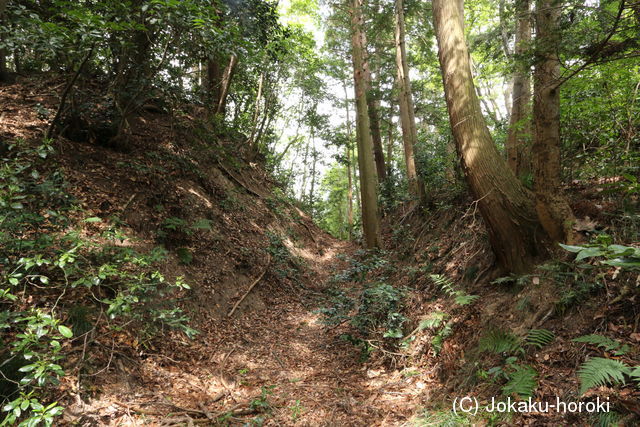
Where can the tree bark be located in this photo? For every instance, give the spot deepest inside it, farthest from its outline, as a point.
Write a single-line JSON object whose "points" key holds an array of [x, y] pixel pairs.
{"points": [[314, 157], [372, 110], [518, 144], [3, 55], [553, 210], [407, 112], [221, 106], [256, 111], [214, 83], [348, 155], [504, 203], [368, 185]]}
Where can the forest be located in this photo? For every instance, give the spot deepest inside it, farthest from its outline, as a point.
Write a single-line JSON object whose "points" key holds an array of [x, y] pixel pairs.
{"points": [[319, 212]]}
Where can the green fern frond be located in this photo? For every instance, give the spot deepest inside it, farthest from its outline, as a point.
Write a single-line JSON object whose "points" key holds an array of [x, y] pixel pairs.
{"points": [[607, 419], [539, 337], [498, 341], [608, 344], [444, 283], [434, 320], [522, 382], [635, 373], [448, 287], [464, 299], [599, 371]]}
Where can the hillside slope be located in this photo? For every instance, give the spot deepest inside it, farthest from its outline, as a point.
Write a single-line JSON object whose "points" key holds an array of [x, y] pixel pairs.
{"points": [[223, 230]]}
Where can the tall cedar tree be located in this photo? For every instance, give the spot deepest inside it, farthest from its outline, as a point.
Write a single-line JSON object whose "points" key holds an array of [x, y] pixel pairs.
{"points": [[504, 203], [518, 144], [407, 112], [368, 185], [553, 210]]}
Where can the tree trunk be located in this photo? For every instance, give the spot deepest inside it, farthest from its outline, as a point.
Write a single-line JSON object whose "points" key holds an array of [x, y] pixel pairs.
{"points": [[368, 185], [553, 210], [256, 111], [303, 188], [221, 106], [214, 83], [504, 203], [518, 144], [314, 157], [389, 156], [3, 55], [348, 155], [407, 113], [372, 110]]}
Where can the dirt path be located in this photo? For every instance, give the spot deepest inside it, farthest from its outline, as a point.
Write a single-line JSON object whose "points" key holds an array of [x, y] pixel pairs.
{"points": [[314, 377], [280, 365]]}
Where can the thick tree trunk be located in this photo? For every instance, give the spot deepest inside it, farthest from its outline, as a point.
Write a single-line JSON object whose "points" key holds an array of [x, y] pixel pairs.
{"points": [[368, 185], [518, 144], [505, 205], [553, 210], [407, 112], [372, 110], [214, 83]]}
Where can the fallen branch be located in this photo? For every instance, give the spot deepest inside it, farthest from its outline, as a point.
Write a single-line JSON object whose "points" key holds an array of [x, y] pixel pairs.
{"points": [[250, 287]]}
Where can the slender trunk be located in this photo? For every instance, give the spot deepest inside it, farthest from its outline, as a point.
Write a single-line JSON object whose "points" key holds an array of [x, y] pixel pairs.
{"points": [[304, 171], [3, 54], [314, 157], [518, 144], [389, 156], [256, 111], [373, 105], [407, 113], [225, 84], [504, 203], [553, 210], [348, 155], [368, 186]]}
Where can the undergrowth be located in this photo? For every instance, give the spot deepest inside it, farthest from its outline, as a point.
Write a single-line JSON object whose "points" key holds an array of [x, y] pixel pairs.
{"points": [[49, 255]]}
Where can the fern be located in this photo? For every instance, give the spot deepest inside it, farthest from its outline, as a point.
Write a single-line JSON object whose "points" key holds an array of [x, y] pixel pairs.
{"points": [[522, 382], [498, 341], [434, 320], [635, 373], [465, 299], [447, 286], [607, 343], [539, 337], [607, 419], [444, 282], [599, 371]]}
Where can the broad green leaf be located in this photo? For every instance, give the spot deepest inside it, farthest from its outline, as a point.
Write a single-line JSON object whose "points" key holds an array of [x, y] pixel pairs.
{"points": [[65, 331], [589, 253]]}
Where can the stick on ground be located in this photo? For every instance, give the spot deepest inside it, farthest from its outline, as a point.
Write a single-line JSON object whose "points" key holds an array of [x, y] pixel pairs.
{"points": [[250, 287]]}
